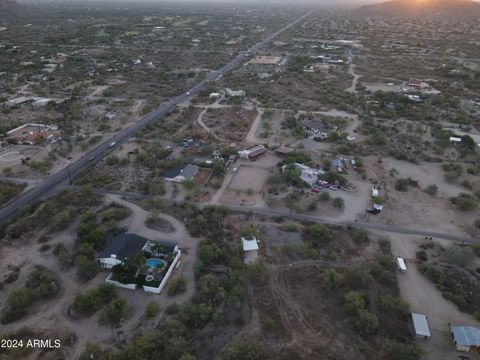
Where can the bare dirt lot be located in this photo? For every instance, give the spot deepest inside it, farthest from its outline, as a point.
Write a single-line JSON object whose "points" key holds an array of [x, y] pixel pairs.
{"points": [[249, 178], [414, 207]]}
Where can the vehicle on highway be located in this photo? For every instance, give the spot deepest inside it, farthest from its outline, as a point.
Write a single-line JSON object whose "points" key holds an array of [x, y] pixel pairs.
{"points": [[188, 92], [112, 144]]}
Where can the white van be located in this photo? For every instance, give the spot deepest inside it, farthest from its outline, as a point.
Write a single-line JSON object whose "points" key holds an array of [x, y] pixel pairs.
{"points": [[400, 263]]}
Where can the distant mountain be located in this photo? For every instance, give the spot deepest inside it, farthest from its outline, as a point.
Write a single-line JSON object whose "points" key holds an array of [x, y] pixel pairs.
{"points": [[8, 8], [436, 9], [11, 11], [6, 5]]}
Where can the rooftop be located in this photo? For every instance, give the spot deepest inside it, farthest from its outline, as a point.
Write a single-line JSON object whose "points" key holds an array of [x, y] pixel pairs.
{"points": [[249, 244], [124, 246], [466, 335], [420, 325]]}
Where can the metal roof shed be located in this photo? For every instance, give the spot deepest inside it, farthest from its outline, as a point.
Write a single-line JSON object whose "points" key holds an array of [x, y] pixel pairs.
{"points": [[420, 328], [465, 337]]}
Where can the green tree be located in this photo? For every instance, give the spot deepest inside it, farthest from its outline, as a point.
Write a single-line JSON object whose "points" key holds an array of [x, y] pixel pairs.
{"points": [[339, 203], [459, 255], [210, 291], [465, 202], [324, 196], [404, 351], [7, 171], [86, 268], [152, 309], [360, 236], [366, 322], [244, 349], [331, 279], [354, 302], [317, 234], [177, 286], [114, 312]]}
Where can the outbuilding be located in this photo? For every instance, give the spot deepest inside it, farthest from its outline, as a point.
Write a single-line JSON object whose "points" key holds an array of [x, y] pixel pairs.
{"points": [[419, 326], [250, 250], [465, 338]]}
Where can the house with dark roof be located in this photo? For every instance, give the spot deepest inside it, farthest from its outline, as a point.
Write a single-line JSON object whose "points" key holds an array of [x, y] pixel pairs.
{"points": [[187, 173], [120, 249], [161, 258]]}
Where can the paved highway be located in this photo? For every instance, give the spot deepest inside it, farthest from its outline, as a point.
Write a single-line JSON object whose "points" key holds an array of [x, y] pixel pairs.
{"points": [[52, 182]]}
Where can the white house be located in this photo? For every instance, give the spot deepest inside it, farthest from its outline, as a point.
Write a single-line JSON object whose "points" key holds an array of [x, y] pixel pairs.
{"points": [[235, 93], [455, 140], [214, 95], [307, 174], [250, 249]]}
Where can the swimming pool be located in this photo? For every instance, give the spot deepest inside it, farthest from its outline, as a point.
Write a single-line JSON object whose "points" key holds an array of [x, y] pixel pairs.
{"points": [[155, 263]]}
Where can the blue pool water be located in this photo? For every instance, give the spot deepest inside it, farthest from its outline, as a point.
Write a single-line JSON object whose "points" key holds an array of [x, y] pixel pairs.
{"points": [[155, 263]]}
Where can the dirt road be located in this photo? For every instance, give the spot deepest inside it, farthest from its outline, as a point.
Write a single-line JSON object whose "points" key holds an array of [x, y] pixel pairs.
{"points": [[424, 298], [136, 223]]}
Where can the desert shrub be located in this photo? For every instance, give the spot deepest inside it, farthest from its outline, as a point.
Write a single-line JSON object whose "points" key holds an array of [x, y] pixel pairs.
{"points": [[339, 203], [312, 206], [391, 304], [360, 236], [177, 286], [477, 223], [431, 190], [152, 309], [40, 285], [421, 255], [359, 276], [404, 184], [172, 309], [464, 202], [18, 302], [476, 249], [114, 312], [404, 351], [324, 196], [62, 255], [434, 273], [87, 267], [331, 279], [459, 255], [244, 349], [385, 245], [257, 270], [317, 234], [94, 299], [354, 302], [366, 322]]}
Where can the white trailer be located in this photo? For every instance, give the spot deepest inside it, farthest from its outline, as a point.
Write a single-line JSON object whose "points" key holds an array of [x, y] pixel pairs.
{"points": [[400, 263]]}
